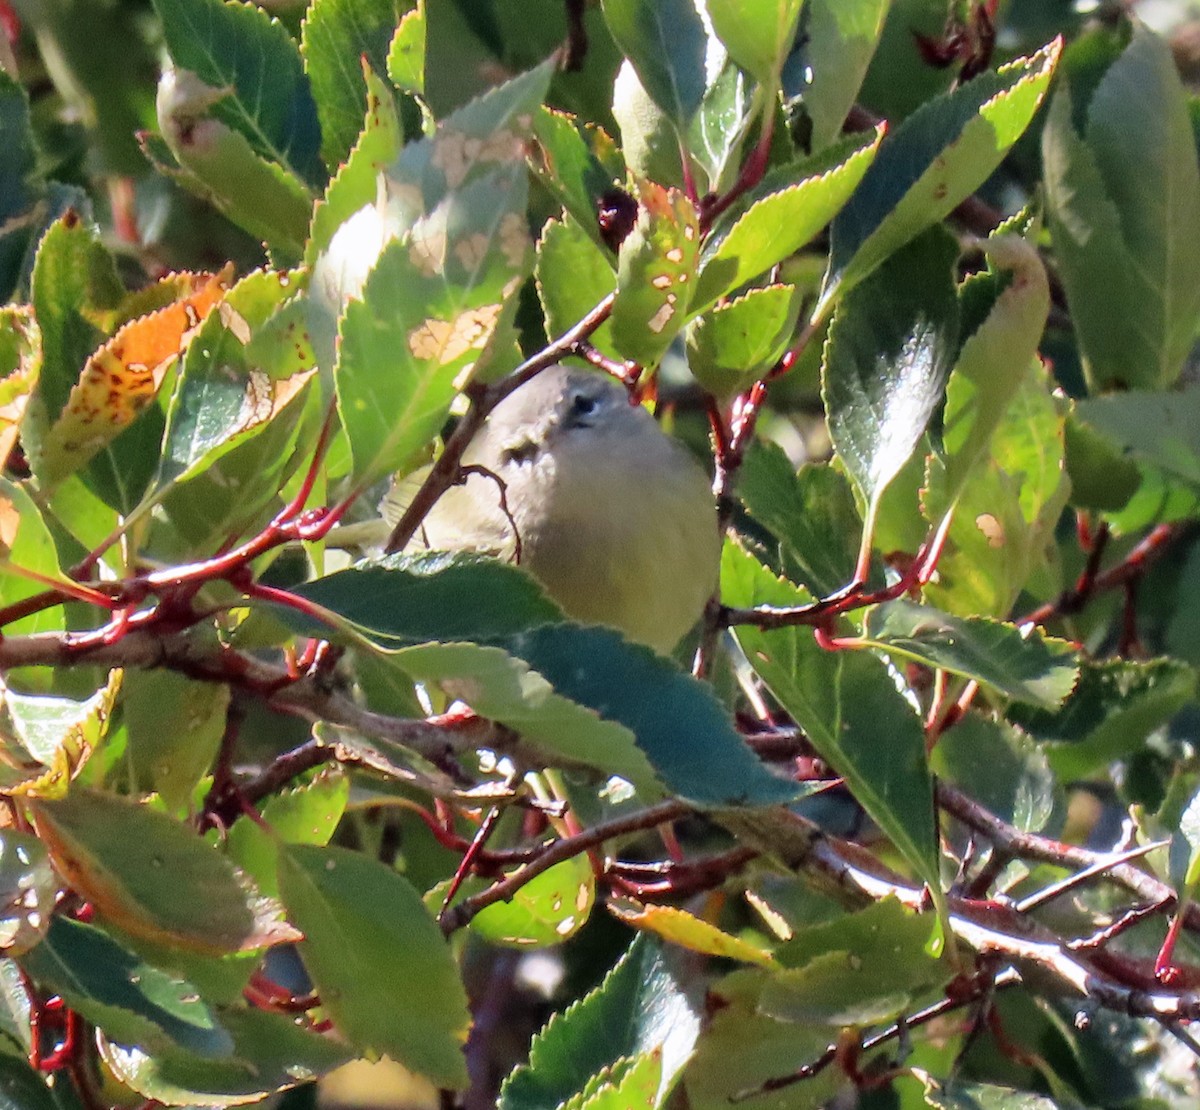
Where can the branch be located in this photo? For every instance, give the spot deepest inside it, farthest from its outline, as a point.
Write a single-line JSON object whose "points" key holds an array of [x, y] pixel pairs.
{"points": [[567, 848], [438, 742]]}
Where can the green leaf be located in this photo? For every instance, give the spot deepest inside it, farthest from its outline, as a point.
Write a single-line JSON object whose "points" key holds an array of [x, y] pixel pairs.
{"points": [[549, 909], [641, 1007], [22, 1088], [412, 599], [839, 699], [656, 272], [956, 1094], [1115, 706], [822, 76], [889, 352], [406, 52], [217, 162], [720, 128], [935, 159], [366, 931], [225, 395], [271, 1053], [152, 876], [57, 733], [742, 1048], [783, 213], [260, 457], [994, 361], [526, 672], [428, 313], [1001, 767], [132, 1001], [173, 727], [649, 137], [239, 49], [1162, 429], [74, 288], [306, 812], [1006, 511], [866, 967], [666, 42], [574, 274], [1122, 240], [811, 513], [737, 342], [1019, 663], [25, 542], [1101, 477], [338, 37], [757, 33], [629, 1082], [356, 183], [566, 157]]}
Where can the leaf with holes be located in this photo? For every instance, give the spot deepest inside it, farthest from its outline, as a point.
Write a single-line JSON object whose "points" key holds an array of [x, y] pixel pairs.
{"points": [[549, 909], [123, 376], [428, 313], [656, 272]]}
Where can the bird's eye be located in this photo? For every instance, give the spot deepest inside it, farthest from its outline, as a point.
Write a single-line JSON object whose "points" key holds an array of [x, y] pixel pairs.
{"points": [[583, 405]]}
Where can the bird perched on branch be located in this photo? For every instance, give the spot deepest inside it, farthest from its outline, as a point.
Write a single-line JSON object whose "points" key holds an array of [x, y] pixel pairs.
{"points": [[580, 486]]}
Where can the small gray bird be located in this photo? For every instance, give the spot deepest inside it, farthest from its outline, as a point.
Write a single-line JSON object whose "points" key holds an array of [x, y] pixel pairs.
{"points": [[615, 518]]}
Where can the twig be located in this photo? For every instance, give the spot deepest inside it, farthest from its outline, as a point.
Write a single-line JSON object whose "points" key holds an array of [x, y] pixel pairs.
{"points": [[567, 848]]}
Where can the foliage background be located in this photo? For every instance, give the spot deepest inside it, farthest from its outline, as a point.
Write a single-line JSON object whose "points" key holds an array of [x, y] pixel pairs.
{"points": [[167, 686]]}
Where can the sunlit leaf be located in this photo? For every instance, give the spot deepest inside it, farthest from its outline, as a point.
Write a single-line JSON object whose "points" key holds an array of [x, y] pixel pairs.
{"points": [[549, 909], [152, 876], [366, 931], [688, 931], [642, 1006]]}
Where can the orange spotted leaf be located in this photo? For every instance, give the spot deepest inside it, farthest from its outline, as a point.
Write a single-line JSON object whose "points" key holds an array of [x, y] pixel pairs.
{"points": [[121, 378]]}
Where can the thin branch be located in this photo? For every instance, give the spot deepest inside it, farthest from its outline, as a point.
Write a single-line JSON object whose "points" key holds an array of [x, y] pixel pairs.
{"points": [[566, 848]]}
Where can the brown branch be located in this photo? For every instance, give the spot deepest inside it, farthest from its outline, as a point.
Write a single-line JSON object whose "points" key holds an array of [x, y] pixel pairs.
{"points": [[436, 741], [1128, 570], [566, 848], [1016, 844]]}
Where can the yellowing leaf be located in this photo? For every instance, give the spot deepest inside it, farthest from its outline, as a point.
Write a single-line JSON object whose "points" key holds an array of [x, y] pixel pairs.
{"points": [[50, 739], [688, 931], [121, 378]]}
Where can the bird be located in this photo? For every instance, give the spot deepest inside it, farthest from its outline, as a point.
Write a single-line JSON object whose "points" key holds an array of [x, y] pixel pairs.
{"points": [[579, 485]]}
